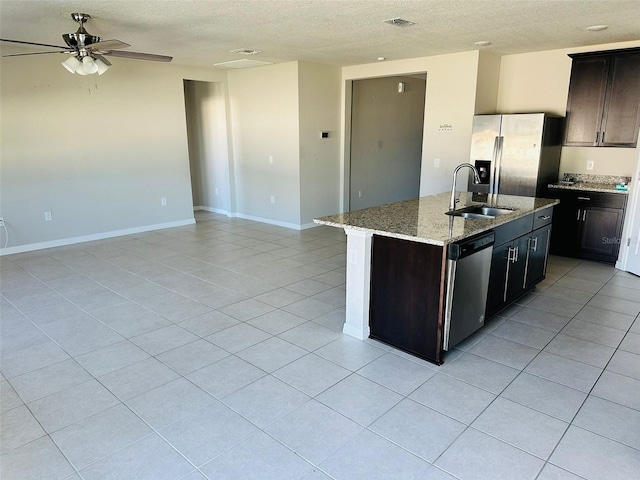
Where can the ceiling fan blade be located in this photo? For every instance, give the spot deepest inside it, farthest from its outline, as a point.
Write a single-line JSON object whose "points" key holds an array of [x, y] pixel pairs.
{"points": [[139, 56], [106, 62], [108, 45], [32, 43], [33, 53]]}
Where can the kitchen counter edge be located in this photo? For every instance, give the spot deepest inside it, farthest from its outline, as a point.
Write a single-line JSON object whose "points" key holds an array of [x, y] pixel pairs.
{"points": [[459, 227]]}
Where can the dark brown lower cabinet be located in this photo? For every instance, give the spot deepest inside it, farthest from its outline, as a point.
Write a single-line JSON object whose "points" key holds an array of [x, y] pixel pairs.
{"points": [[538, 251], [519, 262], [407, 281], [588, 224]]}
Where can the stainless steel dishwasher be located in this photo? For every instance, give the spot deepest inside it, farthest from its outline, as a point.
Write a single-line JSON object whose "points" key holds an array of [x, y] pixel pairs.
{"points": [[468, 267]]}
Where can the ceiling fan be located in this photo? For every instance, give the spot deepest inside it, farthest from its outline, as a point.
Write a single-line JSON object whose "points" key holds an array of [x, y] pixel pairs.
{"points": [[87, 51]]}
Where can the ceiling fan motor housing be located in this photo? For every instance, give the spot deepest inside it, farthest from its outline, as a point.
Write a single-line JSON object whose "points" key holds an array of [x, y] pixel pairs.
{"points": [[81, 38]]}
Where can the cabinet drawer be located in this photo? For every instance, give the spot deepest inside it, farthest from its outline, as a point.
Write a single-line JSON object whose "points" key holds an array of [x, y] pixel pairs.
{"points": [[601, 199], [517, 228], [542, 217], [584, 198]]}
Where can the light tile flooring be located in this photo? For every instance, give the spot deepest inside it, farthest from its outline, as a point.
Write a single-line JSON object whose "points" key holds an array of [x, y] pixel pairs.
{"points": [[214, 351]]}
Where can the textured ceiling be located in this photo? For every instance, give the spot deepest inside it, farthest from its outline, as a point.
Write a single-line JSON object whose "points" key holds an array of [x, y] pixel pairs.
{"points": [[340, 32]]}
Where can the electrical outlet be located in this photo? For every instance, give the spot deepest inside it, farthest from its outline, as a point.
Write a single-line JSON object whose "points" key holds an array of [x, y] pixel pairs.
{"points": [[273, 199], [48, 217], [1, 221], [163, 201], [359, 193], [590, 164], [271, 159], [436, 162], [217, 192]]}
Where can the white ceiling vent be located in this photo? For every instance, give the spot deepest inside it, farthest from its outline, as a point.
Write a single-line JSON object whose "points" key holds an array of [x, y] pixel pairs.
{"points": [[399, 22], [244, 63], [245, 51]]}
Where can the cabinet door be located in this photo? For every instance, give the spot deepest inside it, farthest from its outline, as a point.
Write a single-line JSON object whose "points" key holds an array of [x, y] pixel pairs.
{"points": [[621, 120], [538, 253], [517, 268], [566, 228], [498, 279], [600, 233], [586, 100]]}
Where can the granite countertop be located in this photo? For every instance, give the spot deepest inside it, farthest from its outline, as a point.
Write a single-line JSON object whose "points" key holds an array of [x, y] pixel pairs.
{"points": [[424, 220], [589, 187]]}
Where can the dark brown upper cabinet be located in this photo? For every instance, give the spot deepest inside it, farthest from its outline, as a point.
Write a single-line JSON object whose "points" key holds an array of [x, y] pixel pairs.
{"points": [[603, 108]]}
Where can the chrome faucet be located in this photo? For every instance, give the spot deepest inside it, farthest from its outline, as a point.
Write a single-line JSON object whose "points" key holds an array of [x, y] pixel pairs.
{"points": [[476, 179]]}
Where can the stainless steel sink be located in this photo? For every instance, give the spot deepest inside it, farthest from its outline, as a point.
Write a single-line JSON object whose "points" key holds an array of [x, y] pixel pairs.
{"points": [[494, 212], [479, 212]]}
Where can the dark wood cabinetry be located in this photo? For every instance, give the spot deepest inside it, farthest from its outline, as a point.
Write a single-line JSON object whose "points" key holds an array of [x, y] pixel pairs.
{"points": [[407, 281], [538, 249], [588, 224], [519, 259], [603, 108]]}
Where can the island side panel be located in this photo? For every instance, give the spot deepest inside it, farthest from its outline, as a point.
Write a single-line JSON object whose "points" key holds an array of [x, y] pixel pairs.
{"points": [[406, 296], [358, 283]]}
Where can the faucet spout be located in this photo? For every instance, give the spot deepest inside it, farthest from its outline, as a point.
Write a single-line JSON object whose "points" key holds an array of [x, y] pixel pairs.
{"points": [[476, 179]]}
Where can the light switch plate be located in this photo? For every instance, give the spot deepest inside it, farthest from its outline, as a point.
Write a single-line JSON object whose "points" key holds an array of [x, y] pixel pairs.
{"points": [[590, 164]]}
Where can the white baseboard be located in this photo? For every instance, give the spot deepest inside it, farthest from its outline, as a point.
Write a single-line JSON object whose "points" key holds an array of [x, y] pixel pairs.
{"points": [[96, 236], [277, 223], [269, 221], [221, 211]]}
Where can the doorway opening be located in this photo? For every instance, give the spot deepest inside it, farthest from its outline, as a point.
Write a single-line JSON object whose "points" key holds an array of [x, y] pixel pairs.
{"points": [[387, 122], [206, 114]]}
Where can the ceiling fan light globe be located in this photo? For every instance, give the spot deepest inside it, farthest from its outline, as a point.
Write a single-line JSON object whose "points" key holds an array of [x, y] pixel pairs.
{"points": [[89, 66], [102, 67], [71, 64]]}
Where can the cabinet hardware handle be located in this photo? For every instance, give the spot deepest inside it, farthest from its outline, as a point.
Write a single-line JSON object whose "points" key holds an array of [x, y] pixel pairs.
{"points": [[534, 246], [584, 214], [544, 217], [578, 217], [584, 198], [516, 257], [512, 255]]}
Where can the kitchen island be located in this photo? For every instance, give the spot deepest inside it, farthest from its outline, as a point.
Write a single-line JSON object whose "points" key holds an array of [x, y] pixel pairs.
{"points": [[405, 246]]}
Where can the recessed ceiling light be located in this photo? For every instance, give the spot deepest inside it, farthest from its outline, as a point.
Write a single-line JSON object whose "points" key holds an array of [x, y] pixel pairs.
{"points": [[399, 22], [597, 28], [381, 59], [482, 43]]}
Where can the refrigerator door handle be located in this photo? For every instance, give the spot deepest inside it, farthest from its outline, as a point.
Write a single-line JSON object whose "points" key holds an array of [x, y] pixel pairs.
{"points": [[497, 157]]}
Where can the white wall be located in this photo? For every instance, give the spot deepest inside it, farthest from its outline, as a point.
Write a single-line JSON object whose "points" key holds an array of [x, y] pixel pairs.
{"points": [[539, 82], [265, 122], [319, 110], [98, 152], [450, 100]]}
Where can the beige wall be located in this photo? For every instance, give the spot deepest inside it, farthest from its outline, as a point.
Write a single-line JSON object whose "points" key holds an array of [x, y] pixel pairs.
{"points": [[264, 117], [98, 152], [319, 101], [539, 82], [450, 100], [488, 83]]}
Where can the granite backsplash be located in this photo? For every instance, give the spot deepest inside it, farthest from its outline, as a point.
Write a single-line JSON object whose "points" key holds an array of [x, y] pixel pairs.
{"points": [[588, 178]]}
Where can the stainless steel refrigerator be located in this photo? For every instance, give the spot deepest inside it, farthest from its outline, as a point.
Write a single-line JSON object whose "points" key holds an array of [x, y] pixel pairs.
{"points": [[516, 154]]}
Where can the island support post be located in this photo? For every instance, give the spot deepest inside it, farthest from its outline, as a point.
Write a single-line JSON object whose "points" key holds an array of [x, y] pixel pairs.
{"points": [[358, 283]]}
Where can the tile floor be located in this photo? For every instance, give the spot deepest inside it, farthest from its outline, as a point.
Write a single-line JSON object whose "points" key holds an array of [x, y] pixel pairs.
{"points": [[214, 352]]}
